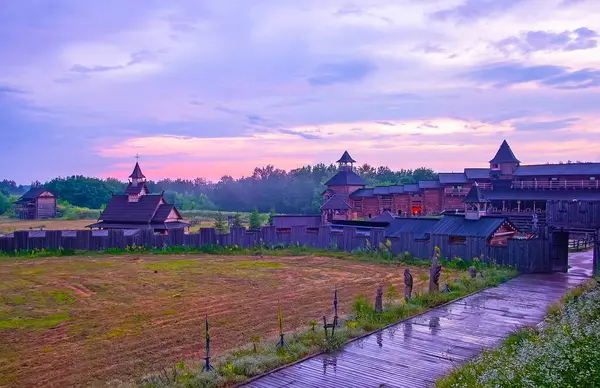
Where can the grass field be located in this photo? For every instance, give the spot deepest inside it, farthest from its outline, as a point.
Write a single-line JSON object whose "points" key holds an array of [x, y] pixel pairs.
{"points": [[81, 320], [8, 225]]}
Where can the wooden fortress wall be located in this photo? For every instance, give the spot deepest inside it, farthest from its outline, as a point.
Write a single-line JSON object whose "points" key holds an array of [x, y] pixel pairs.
{"points": [[529, 256]]}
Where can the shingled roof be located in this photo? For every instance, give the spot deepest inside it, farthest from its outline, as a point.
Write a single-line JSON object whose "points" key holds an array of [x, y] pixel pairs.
{"points": [[360, 193], [31, 195], [136, 190], [475, 195], [592, 169], [452, 177], [336, 203], [137, 172], [346, 178], [457, 225], [477, 173], [119, 209], [346, 158], [504, 155]]}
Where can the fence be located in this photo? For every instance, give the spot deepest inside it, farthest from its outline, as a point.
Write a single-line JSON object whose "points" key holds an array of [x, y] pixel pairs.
{"points": [[526, 255], [581, 244]]}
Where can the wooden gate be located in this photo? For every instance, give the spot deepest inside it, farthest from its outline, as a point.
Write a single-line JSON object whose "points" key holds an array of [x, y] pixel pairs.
{"points": [[559, 251]]}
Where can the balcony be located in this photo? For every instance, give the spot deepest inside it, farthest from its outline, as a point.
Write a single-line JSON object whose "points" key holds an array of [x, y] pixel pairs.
{"points": [[454, 191], [550, 185], [465, 190]]}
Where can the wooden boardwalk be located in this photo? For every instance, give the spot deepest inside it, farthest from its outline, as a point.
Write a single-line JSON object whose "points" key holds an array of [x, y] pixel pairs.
{"points": [[414, 353]]}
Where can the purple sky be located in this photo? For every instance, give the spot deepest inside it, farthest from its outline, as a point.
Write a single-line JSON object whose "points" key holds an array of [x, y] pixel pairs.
{"points": [[213, 87]]}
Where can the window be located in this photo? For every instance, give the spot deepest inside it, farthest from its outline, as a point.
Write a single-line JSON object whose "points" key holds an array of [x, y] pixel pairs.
{"points": [[592, 178], [399, 212], [358, 204], [370, 216], [457, 186], [457, 240], [554, 179]]}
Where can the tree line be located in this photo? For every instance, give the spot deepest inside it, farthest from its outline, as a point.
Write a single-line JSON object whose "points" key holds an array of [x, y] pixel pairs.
{"points": [[296, 191]]}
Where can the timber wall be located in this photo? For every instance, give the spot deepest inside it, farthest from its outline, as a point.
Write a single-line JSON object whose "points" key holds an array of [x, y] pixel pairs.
{"points": [[529, 256]]}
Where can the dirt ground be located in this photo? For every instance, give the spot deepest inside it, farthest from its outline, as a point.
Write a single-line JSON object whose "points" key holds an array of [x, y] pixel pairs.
{"points": [[87, 321]]}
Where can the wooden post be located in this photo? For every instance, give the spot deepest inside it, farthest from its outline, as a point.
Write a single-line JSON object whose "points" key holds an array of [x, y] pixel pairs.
{"points": [[434, 274], [281, 344], [379, 300], [207, 367], [408, 284]]}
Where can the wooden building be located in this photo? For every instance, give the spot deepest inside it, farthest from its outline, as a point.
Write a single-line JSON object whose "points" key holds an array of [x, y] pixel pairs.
{"points": [[138, 209], [37, 203], [447, 230], [510, 187]]}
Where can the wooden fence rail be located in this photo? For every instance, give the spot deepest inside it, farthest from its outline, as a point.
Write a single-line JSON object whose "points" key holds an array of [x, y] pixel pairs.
{"points": [[526, 255]]}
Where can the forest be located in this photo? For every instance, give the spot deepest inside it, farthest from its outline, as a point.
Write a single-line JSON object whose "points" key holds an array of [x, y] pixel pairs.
{"points": [[296, 191]]}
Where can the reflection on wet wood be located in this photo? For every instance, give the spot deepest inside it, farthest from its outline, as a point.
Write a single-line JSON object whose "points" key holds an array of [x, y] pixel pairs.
{"points": [[414, 353]]}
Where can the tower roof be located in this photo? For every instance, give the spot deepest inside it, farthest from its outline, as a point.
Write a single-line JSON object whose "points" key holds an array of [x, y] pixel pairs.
{"points": [[475, 195], [346, 178], [137, 172], [505, 155], [346, 158]]}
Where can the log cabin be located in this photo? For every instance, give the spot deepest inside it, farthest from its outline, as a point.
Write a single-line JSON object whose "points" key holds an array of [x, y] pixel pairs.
{"points": [[37, 203], [513, 189], [138, 209]]}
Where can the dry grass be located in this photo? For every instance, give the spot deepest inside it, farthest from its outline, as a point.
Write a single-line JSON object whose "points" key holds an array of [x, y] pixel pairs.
{"points": [[85, 321], [10, 225]]}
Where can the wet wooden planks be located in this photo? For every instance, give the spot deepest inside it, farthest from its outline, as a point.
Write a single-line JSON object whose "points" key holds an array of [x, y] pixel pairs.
{"points": [[414, 353]]}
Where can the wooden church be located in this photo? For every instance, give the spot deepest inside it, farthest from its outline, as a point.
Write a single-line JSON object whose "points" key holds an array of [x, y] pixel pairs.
{"points": [[138, 209]]}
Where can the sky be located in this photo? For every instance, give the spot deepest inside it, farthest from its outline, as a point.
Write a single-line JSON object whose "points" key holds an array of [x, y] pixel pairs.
{"points": [[206, 88]]}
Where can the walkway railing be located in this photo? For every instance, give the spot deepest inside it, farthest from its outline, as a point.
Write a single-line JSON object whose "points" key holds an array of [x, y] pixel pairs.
{"points": [[573, 184]]}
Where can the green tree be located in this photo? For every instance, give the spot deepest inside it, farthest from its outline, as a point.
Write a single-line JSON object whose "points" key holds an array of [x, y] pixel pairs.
{"points": [[272, 213], [255, 220], [220, 223], [5, 204], [237, 221]]}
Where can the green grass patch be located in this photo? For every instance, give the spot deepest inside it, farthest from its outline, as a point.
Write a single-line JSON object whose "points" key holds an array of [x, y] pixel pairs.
{"points": [[565, 353], [172, 265], [32, 323], [62, 297], [254, 264]]}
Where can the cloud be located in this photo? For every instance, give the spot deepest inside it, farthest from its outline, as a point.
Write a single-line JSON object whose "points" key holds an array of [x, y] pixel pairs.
{"points": [[10, 90], [471, 10], [304, 135], [341, 72], [581, 79], [545, 125], [507, 74], [532, 41], [93, 69], [328, 75], [135, 59]]}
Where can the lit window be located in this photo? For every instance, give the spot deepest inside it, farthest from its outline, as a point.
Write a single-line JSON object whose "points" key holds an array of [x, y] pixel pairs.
{"points": [[592, 178]]}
